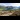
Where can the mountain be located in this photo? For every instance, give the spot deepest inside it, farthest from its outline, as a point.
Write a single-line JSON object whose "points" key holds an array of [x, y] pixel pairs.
{"points": [[8, 8], [11, 8]]}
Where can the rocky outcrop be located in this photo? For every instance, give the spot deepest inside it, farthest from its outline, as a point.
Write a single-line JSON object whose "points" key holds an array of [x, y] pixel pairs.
{"points": [[16, 13]]}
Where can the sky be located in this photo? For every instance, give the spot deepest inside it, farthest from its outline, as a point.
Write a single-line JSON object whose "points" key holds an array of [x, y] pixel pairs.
{"points": [[10, 4]]}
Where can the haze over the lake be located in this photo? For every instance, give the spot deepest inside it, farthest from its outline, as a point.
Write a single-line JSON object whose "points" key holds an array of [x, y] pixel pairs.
{"points": [[10, 4]]}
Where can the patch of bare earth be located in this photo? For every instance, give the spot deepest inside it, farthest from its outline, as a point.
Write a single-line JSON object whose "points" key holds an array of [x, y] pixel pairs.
{"points": [[16, 13], [6, 13]]}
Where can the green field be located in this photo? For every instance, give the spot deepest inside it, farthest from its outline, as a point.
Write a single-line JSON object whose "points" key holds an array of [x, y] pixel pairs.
{"points": [[1, 8]]}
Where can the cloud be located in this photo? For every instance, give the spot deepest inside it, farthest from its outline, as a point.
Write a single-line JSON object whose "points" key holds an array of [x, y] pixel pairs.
{"points": [[10, 4]]}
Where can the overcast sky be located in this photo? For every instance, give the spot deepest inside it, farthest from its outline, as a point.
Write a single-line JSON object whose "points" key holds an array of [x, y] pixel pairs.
{"points": [[10, 4]]}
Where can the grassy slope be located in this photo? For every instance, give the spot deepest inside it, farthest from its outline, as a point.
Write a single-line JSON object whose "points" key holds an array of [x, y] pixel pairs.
{"points": [[1, 8]]}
